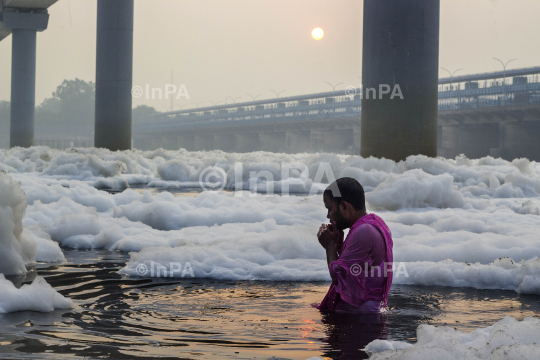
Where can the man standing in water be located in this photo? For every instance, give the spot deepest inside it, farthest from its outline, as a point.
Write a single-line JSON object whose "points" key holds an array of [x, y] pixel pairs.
{"points": [[360, 266]]}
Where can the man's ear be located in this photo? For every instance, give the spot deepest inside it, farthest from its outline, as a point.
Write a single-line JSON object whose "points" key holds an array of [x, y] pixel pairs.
{"points": [[344, 207]]}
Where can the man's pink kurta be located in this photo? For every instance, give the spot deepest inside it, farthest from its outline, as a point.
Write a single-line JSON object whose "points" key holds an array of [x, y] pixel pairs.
{"points": [[354, 280]]}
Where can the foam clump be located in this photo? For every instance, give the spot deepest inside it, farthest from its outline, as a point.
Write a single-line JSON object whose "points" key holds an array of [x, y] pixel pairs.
{"points": [[260, 251], [415, 189], [17, 247], [502, 273], [37, 296], [79, 216], [506, 339], [20, 246], [436, 182], [471, 211]]}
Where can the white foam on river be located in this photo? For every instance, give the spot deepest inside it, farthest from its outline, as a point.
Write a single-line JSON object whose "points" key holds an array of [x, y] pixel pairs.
{"points": [[506, 339], [451, 219], [37, 296]]}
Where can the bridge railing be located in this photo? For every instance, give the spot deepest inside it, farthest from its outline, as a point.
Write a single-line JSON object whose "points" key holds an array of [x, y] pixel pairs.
{"points": [[518, 91]]}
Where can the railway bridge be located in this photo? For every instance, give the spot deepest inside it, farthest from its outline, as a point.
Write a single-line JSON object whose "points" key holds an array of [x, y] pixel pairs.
{"points": [[495, 114]]}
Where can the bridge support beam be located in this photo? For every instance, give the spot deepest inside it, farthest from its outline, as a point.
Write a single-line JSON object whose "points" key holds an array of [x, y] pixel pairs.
{"points": [[114, 72], [247, 142], [297, 141], [273, 141], [24, 27], [224, 142], [400, 49]]}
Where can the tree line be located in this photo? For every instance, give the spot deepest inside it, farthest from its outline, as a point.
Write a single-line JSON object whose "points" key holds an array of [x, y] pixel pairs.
{"points": [[71, 108]]}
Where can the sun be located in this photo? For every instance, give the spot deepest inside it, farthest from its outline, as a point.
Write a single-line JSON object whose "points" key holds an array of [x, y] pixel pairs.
{"points": [[317, 33]]}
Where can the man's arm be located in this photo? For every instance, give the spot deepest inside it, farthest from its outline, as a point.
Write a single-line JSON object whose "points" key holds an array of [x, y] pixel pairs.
{"points": [[329, 237], [331, 253]]}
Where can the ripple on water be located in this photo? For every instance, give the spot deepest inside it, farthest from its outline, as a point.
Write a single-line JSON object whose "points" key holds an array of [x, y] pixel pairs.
{"points": [[121, 318]]}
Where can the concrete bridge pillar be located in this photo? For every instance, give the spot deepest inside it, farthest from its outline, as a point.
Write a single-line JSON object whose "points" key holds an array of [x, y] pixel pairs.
{"points": [[316, 143], [203, 143], [473, 140], [153, 143], [24, 27], [114, 72], [224, 142], [186, 142], [521, 140], [297, 141], [400, 49], [138, 143], [273, 141], [357, 134], [247, 142], [339, 141], [168, 143], [500, 151]]}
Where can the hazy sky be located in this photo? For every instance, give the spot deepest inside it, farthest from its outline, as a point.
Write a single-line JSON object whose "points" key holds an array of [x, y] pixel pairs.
{"points": [[223, 48]]}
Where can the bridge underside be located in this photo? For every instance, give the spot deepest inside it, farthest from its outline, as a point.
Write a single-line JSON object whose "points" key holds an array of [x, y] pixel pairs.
{"points": [[339, 135], [499, 132], [508, 133]]}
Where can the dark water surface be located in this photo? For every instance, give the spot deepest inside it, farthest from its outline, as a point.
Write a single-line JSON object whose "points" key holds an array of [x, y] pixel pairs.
{"points": [[122, 318]]}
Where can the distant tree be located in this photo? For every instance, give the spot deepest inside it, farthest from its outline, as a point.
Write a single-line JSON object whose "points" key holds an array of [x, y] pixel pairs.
{"points": [[4, 124], [72, 104], [142, 113]]}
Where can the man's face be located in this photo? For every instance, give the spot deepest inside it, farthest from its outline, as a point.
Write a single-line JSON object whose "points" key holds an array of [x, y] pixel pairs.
{"points": [[334, 214]]}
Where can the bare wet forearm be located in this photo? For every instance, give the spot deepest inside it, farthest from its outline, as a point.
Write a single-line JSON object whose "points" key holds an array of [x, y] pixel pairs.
{"points": [[331, 253]]}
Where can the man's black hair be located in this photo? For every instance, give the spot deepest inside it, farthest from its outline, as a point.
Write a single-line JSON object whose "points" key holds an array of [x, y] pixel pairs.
{"points": [[346, 189]]}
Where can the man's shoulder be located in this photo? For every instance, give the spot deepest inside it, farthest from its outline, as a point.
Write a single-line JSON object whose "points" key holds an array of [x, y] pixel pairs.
{"points": [[366, 227], [367, 230]]}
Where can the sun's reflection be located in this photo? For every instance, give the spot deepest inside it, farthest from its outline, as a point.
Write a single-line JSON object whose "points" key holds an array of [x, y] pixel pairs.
{"points": [[308, 327]]}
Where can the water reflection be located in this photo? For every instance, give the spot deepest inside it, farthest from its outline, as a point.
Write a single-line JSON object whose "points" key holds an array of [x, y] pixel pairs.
{"points": [[348, 334], [117, 317]]}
